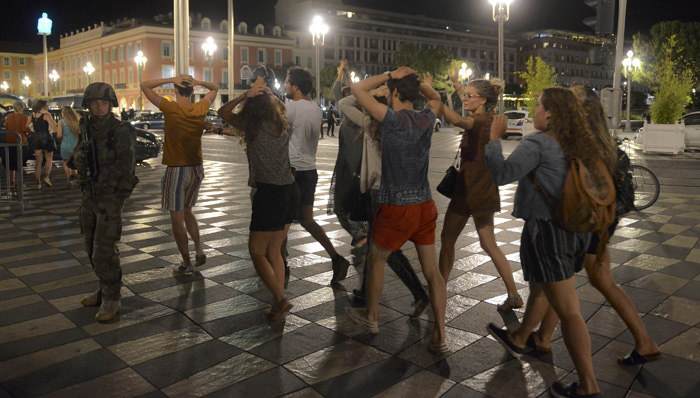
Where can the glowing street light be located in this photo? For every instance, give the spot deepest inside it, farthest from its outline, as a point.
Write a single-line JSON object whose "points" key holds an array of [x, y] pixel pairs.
{"points": [[353, 78], [26, 81], [500, 14], [277, 85], [4, 86], [318, 31], [630, 64], [209, 47], [465, 74], [54, 76], [140, 61], [89, 69]]}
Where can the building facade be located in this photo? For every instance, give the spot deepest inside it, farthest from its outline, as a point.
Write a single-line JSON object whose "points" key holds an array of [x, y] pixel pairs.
{"points": [[111, 50], [14, 66], [369, 39]]}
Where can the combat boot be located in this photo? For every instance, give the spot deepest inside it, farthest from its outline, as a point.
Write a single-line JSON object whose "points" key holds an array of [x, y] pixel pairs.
{"points": [[92, 300], [108, 310]]}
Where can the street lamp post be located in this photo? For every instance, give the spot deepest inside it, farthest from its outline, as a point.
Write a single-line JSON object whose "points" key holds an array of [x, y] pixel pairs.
{"points": [[54, 77], [140, 64], [629, 64], [209, 48], [318, 31], [500, 14], [26, 81], [88, 69], [44, 28]]}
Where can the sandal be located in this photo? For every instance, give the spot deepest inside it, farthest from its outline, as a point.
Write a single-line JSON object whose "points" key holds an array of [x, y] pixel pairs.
{"points": [[278, 310], [200, 259], [532, 343], [635, 358], [438, 348], [511, 302]]}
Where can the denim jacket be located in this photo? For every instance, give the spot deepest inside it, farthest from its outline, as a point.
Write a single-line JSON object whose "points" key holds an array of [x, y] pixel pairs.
{"points": [[541, 154]]}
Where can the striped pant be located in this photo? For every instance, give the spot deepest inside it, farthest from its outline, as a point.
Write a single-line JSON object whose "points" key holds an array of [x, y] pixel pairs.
{"points": [[180, 186]]}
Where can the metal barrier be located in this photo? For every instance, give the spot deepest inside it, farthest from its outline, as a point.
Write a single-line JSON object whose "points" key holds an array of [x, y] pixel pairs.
{"points": [[6, 190]]}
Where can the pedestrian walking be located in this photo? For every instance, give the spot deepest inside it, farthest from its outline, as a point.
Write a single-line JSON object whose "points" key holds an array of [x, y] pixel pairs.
{"points": [[41, 141], [331, 122], [549, 254], [406, 210], [304, 118], [475, 194], [105, 159], [18, 122], [262, 121], [68, 132], [182, 154]]}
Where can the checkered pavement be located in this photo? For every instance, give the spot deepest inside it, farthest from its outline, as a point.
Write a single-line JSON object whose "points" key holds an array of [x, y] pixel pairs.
{"points": [[206, 335]]}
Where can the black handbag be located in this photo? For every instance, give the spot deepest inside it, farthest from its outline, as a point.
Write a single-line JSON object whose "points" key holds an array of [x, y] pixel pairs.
{"points": [[447, 185]]}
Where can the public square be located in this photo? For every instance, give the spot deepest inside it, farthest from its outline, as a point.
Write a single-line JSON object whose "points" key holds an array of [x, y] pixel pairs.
{"points": [[206, 335]]}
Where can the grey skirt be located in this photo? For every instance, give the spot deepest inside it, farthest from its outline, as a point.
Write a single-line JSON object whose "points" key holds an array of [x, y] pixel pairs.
{"points": [[548, 253]]}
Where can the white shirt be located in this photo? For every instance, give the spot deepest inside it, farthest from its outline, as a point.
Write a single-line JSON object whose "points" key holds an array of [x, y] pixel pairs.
{"points": [[305, 118]]}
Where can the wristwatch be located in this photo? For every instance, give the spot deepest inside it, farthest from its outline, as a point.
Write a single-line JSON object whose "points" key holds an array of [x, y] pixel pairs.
{"points": [[388, 74]]}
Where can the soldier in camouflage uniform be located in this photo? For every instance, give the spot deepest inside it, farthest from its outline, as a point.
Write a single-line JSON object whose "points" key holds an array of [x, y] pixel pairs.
{"points": [[105, 159]]}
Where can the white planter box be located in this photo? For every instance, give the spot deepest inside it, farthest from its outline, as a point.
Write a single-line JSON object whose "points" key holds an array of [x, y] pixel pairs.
{"points": [[664, 138]]}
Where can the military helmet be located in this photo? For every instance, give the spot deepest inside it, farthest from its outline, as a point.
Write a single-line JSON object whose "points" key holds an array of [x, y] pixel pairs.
{"points": [[99, 91]]}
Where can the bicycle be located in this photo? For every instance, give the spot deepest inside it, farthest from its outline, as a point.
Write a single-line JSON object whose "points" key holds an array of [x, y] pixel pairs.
{"points": [[646, 185]]}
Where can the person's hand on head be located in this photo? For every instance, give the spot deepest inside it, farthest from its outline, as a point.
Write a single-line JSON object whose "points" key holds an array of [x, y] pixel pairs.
{"points": [[428, 79], [257, 88], [453, 72], [183, 81], [498, 126], [401, 72], [381, 91]]}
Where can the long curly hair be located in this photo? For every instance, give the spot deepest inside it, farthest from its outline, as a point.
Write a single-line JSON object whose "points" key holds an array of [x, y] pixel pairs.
{"points": [[260, 112], [597, 122], [568, 121], [488, 90]]}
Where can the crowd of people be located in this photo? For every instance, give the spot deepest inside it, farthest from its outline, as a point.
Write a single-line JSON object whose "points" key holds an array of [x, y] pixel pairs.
{"points": [[379, 192]]}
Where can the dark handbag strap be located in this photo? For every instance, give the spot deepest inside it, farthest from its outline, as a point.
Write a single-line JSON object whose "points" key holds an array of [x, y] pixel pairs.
{"points": [[457, 160]]}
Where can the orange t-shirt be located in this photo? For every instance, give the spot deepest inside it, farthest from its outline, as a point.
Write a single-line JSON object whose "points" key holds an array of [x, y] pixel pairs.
{"points": [[183, 133], [16, 122]]}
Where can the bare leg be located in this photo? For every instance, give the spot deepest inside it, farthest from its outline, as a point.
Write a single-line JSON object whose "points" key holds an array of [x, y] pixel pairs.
{"points": [[49, 163], [451, 228], [375, 279], [308, 222], [39, 159], [68, 172], [601, 279], [177, 219], [487, 239], [193, 229], [537, 306], [259, 246], [437, 289], [562, 296]]}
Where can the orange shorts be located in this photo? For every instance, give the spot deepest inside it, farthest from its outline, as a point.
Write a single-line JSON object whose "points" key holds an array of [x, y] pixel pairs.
{"points": [[394, 225]]}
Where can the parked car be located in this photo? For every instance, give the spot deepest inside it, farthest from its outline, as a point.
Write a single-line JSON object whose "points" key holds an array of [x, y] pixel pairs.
{"points": [[213, 118], [6, 102], [438, 124], [519, 124], [149, 121], [692, 129]]}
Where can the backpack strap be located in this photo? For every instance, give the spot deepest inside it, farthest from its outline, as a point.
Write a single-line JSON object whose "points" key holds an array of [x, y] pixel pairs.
{"points": [[531, 174]]}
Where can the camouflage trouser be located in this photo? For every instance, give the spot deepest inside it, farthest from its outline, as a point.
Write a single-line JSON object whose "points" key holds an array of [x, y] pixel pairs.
{"points": [[101, 224]]}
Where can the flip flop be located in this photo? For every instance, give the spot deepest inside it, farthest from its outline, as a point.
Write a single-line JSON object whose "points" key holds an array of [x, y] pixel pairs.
{"points": [[438, 348], [635, 358], [531, 343]]}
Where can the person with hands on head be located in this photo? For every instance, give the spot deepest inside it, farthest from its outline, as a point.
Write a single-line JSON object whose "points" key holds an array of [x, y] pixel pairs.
{"points": [[41, 141], [262, 122], [475, 194], [182, 154], [406, 209]]}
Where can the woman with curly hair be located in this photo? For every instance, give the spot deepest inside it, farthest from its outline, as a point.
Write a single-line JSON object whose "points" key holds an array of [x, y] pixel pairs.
{"points": [[549, 254], [262, 123], [475, 194], [598, 268]]}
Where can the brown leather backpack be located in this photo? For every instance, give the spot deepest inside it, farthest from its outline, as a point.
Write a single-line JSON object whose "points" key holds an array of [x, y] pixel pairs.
{"points": [[586, 205]]}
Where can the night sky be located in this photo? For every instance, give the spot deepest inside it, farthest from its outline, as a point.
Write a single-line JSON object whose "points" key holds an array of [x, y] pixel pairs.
{"points": [[18, 18]]}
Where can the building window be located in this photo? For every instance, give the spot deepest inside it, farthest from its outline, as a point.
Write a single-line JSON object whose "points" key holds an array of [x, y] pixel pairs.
{"points": [[121, 76], [262, 56], [224, 54], [243, 28], [224, 77], [106, 56], [131, 76], [21, 74], [223, 26], [121, 53], [6, 61], [207, 74], [206, 23], [166, 49], [114, 55], [21, 60], [278, 57], [260, 30], [190, 50], [114, 77], [138, 47], [6, 74], [168, 72], [129, 51], [277, 31], [244, 55]]}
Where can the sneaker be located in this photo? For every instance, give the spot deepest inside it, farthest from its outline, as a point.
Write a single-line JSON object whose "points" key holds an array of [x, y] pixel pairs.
{"points": [[340, 268], [183, 269], [559, 390], [108, 310], [501, 336], [200, 259], [357, 315], [92, 300], [421, 307]]}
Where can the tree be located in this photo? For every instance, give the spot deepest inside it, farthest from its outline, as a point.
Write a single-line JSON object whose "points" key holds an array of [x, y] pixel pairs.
{"points": [[672, 83], [538, 75], [436, 61]]}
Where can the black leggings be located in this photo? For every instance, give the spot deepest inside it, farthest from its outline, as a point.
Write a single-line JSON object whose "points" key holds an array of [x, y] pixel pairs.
{"points": [[397, 262]]}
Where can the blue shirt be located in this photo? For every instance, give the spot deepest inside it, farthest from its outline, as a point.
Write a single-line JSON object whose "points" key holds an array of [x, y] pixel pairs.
{"points": [[541, 154], [406, 138]]}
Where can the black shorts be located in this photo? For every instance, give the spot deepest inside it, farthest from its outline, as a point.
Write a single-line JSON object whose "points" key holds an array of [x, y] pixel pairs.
{"points": [[593, 248], [306, 183], [549, 253], [274, 206]]}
